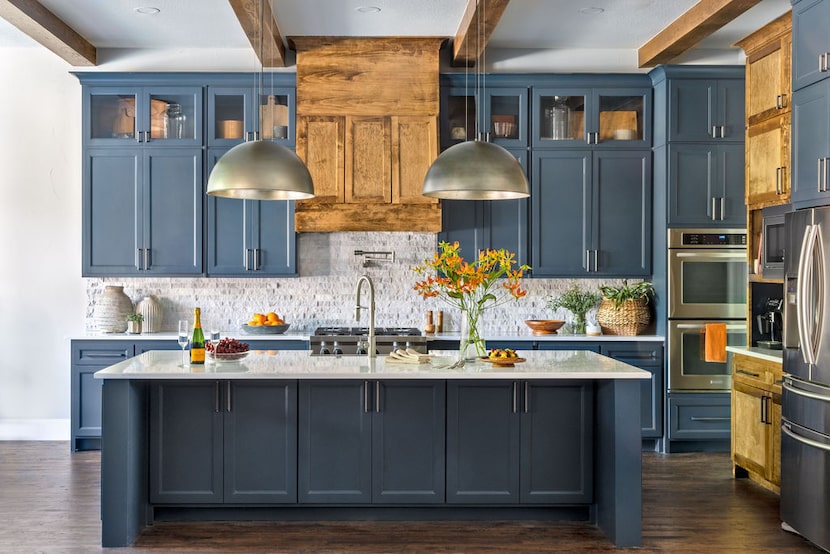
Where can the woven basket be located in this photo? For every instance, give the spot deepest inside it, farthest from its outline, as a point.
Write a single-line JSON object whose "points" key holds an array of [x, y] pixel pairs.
{"points": [[631, 318]]}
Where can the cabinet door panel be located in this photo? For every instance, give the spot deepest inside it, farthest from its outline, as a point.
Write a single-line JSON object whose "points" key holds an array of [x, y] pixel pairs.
{"points": [[321, 144], [810, 141], [506, 224], [767, 79], [408, 442], [368, 160], [693, 109], [335, 442], [810, 39], [273, 230], [185, 443], [560, 202], [621, 215], [557, 443], [732, 109], [749, 432], [731, 187], [463, 221], [173, 210], [227, 237], [482, 442], [112, 201], [647, 356], [415, 140], [260, 428], [767, 172]]}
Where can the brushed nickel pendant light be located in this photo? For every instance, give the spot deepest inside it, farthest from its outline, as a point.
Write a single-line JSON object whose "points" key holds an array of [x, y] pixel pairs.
{"points": [[260, 169], [476, 170]]}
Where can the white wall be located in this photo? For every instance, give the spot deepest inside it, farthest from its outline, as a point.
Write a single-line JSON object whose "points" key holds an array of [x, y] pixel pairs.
{"points": [[42, 296]]}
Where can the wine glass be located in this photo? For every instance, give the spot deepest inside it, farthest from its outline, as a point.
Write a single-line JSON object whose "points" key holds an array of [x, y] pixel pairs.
{"points": [[184, 337]]}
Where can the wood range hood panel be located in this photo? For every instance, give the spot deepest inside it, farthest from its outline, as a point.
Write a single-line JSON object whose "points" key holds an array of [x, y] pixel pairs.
{"points": [[367, 128]]}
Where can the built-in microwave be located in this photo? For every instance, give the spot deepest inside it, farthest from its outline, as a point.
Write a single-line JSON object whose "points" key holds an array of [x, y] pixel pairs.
{"points": [[773, 241]]}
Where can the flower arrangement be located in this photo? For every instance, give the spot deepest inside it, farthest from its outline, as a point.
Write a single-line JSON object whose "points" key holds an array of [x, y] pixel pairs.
{"points": [[576, 301], [472, 287]]}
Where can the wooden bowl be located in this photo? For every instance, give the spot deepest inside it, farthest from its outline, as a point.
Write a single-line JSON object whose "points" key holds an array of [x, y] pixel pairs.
{"points": [[544, 326]]}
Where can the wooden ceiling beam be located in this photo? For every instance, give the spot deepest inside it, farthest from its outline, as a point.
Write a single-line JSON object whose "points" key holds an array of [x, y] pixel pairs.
{"points": [[49, 30], [271, 50], [700, 21], [477, 25]]}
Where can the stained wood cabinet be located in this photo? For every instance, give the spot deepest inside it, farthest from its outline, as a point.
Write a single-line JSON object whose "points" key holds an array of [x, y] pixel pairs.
{"points": [[768, 162], [756, 420]]}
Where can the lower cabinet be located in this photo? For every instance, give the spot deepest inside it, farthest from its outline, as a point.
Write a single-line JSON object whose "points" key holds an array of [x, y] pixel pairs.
{"points": [[699, 416], [756, 420], [223, 442], [511, 442], [89, 356], [378, 442]]}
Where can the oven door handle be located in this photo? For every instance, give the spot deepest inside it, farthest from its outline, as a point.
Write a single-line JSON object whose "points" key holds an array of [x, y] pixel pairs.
{"points": [[741, 255], [729, 327]]}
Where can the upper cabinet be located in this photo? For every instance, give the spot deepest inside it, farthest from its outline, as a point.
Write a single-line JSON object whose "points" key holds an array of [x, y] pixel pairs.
{"points": [[503, 118], [565, 116], [811, 42], [706, 109], [238, 114]]}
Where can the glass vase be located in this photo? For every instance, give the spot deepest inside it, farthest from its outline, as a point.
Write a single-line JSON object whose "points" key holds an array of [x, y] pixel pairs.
{"points": [[579, 324], [471, 345]]}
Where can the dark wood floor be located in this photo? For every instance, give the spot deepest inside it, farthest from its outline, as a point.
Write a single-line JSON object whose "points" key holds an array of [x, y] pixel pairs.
{"points": [[49, 502]]}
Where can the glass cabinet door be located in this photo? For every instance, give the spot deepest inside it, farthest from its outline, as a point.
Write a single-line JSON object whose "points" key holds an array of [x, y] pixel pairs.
{"points": [[506, 116], [560, 117], [112, 116], [276, 114], [459, 123], [173, 114], [229, 119], [620, 116]]}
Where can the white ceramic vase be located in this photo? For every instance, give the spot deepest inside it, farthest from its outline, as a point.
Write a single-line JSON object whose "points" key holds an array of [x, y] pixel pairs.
{"points": [[111, 310], [150, 308]]}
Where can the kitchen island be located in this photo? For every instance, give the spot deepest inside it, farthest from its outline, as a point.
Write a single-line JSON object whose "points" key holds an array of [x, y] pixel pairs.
{"points": [[285, 435]]}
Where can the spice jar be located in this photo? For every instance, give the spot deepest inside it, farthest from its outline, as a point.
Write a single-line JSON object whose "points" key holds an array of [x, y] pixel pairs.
{"points": [[439, 326], [429, 328]]}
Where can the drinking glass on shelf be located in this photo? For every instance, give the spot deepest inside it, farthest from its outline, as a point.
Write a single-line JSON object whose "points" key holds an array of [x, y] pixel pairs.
{"points": [[184, 337]]}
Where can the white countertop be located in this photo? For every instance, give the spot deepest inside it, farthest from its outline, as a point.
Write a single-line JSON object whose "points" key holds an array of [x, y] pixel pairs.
{"points": [[755, 352], [555, 337], [172, 335], [299, 364]]}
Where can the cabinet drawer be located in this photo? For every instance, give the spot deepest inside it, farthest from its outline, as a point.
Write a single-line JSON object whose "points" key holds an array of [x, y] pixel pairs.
{"points": [[636, 354], [755, 372], [699, 416], [100, 353]]}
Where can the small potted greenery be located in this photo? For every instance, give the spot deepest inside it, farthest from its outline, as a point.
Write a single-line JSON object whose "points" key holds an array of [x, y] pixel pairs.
{"points": [[624, 309], [134, 323], [577, 301]]}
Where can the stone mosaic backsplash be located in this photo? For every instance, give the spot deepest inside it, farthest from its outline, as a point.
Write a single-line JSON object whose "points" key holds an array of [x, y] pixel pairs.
{"points": [[324, 291]]}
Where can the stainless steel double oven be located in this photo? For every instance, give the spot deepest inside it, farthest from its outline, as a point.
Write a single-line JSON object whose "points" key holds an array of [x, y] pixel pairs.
{"points": [[707, 284]]}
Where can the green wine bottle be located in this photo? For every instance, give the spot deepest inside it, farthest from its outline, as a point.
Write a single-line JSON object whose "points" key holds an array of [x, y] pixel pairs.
{"points": [[197, 341]]}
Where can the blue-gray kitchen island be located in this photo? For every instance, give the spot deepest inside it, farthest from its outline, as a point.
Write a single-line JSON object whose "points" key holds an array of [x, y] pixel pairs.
{"points": [[284, 435]]}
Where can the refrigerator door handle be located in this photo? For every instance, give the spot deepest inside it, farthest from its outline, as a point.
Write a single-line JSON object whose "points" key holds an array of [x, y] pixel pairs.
{"points": [[804, 440], [805, 277], [787, 385]]}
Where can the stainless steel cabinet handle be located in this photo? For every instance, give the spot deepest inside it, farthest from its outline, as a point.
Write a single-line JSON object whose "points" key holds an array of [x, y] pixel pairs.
{"points": [[366, 397], [377, 396], [818, 176], [588, 261], [146, 259], [527, 397], [515, 397], [709, 419], [714, 131], [218, 400], [723, 131], [722, 207], [245, 255], [824, 174], [229, 398], [138, 259], [714, 209], [138, 136], [256, 259], [596, 255]]}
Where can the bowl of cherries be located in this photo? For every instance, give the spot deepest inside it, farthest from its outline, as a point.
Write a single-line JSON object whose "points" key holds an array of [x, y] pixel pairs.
{"points": [[226, 350]]}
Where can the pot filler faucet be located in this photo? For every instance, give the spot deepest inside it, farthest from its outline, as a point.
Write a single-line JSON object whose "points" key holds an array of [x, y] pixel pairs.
{"points": [[372, 351]]}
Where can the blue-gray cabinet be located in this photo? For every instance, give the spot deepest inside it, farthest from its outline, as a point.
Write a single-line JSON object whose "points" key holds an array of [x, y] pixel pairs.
{"points": [[142, 211], [699, 416], [238, 112], [811, 42], [591, 213], [223, 442], [502, 119], [87, 357], [363, 442], [706, 185], [519, 442], [810, 184], [253, 238], [481, 224], [706, 110]]}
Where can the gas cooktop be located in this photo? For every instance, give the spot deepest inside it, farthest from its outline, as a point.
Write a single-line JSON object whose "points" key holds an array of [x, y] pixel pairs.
{"points": [[364, 331]]}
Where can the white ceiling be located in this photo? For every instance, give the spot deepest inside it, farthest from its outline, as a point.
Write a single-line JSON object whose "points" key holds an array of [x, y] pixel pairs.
{"points": [[568, 29]]}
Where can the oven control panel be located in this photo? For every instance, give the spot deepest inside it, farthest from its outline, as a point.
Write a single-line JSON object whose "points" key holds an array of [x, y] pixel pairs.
{"points": [[707, 238]]}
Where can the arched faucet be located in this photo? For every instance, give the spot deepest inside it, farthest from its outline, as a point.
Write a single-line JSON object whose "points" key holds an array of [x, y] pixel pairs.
{"points": [[372, 351]]}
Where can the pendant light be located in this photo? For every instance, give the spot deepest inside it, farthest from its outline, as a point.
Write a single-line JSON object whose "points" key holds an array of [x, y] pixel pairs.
{"points": [[260, 169], [476, 170]]}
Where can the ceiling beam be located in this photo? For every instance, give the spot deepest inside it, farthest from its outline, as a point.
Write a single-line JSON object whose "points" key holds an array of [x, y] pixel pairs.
{"points": [[702, 19], [477, 25], [46, 28], [271, 50]]}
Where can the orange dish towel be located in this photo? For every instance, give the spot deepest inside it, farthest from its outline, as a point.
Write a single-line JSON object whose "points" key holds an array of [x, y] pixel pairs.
{"points": [[715, 342]]}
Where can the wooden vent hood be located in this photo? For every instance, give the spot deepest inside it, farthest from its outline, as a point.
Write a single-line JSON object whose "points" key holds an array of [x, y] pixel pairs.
{"points": [[367, 128]]}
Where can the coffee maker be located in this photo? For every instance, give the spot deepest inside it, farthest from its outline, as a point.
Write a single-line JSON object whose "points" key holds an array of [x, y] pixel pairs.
{"points": [[771, 324]]}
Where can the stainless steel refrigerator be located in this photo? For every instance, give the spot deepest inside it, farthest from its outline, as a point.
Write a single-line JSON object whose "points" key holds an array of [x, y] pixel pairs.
{"points": [[805, 424]]}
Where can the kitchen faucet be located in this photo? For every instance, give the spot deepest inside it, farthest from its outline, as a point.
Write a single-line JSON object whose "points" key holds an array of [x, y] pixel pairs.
{"points": [[372, 351]]}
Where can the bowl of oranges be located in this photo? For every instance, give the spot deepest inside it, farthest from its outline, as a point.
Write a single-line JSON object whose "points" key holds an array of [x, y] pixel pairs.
{"points": [[265, 324]]}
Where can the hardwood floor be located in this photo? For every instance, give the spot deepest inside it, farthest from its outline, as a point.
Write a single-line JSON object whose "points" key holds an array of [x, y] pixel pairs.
{"points": [[49, 502]]}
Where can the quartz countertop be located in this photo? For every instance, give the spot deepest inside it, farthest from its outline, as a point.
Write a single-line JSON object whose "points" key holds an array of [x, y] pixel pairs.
{"points": [[172, 335], [528, 336], [299, 364], [755, 352]]}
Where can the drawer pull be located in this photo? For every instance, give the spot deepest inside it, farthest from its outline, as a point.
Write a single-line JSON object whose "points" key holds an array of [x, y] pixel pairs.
{"points": [[709, 419], [93, 355], [745, 372]]}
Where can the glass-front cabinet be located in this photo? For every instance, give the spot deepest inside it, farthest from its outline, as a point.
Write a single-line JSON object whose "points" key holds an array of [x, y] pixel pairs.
{"points": [[502, 119], [172, 115], [564, 116], [235, 115]]}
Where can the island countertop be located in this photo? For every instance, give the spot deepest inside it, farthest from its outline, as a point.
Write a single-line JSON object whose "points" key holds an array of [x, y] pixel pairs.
{"points": [[299, 364]]}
